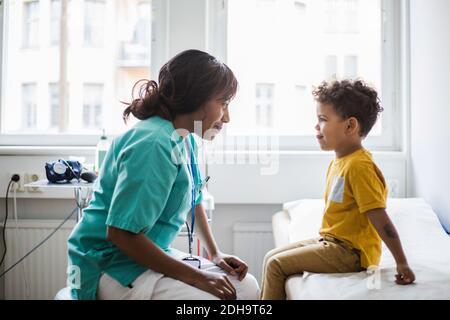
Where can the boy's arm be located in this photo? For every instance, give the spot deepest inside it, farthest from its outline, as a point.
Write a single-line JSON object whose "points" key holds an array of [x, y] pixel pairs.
{"points": [[388, 233]]}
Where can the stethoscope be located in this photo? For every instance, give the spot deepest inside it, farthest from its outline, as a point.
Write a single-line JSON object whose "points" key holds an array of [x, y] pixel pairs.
{"points": [[194, 190]]}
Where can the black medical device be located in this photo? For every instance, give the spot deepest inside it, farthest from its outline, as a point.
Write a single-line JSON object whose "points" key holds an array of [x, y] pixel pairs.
{"points": [[64, 171]]}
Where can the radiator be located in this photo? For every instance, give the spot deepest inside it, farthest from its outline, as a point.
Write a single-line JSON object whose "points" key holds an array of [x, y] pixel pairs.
{"points": [[42, 273], [251, 241]]}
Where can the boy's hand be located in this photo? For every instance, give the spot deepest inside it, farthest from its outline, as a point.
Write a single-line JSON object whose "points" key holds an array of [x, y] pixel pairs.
{"points": [[380, 220], [404, 275]]}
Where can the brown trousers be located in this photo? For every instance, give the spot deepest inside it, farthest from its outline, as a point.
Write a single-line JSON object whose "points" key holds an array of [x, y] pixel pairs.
{"points": [[319, 255]]}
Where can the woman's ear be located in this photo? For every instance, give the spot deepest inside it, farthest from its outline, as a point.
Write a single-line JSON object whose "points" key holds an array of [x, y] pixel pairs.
{"points": [[352, 125]]}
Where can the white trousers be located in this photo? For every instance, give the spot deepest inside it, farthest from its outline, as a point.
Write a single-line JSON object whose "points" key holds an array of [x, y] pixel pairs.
{"points": [[152, 285]]}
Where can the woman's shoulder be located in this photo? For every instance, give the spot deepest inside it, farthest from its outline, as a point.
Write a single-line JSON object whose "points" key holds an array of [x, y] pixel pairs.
{"points": [[151, 132]]}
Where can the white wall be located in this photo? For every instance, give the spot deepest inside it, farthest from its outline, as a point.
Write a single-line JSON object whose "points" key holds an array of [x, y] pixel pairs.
{"points": [[430, 104], [295, 176]]}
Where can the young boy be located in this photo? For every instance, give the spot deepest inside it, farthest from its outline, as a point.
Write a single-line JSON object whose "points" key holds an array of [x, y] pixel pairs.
{"points": [[355, 219]]}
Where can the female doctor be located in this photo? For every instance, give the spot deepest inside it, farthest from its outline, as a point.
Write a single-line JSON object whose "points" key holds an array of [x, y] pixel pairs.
{"points": [[120, 249]]}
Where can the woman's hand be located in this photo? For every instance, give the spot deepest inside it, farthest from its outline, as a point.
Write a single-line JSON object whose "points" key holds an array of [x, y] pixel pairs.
{"points": [[231, 264], [404, 274], [216, 284]]}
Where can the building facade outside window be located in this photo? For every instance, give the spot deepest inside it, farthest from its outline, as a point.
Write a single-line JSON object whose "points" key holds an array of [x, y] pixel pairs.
{"points": [[101, 70]]}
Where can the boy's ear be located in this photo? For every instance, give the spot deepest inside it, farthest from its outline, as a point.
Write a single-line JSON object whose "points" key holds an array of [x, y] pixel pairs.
{"points": [[352, 125]]}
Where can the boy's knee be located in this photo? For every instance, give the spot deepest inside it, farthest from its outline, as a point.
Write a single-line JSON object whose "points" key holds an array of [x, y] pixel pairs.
{"points": [[273, 265], [269, 255]]}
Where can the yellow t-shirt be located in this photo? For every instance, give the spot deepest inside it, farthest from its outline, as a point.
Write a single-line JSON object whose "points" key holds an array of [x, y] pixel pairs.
{"points": [[354, 186]]}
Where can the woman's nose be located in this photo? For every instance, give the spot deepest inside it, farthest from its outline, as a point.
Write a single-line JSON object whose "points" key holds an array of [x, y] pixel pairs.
{"points": [[317, 127], [226, 116]]}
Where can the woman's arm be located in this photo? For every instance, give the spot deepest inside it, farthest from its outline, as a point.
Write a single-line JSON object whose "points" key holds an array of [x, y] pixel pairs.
{"points": [[229, 263], [146, 253], [388, 233], [204, 231]]}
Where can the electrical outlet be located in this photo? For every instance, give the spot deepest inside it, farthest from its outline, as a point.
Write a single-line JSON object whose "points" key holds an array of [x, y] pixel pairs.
{"points": [[19, 185], [33, 177]]}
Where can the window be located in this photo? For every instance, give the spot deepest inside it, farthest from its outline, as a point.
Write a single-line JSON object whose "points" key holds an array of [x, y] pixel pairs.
{"points": [[92, 105], [346, 67], [290, 44], [29, 111], [30, 23], [109, 51], [94, 23], [350, 16], [142, 30], [302, 114], [331, 16], [137, 51], [264, 105], [54, 104], [295, 45], [330, 67], [350, 67], [55, 18], [341, 16]]}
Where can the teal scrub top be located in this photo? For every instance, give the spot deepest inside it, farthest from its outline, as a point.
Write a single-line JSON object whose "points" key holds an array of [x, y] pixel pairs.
{"points": [[143, 187]]}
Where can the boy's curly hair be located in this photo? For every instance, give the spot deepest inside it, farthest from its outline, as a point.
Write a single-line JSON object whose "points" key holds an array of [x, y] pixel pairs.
{"points": [[351, 99]]}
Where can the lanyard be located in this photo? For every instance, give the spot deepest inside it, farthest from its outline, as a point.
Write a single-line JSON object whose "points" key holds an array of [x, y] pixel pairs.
{"points": [[193, 197], [194, 189]]}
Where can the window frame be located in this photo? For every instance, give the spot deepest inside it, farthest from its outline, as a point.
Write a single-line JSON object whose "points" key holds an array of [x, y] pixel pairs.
{"points": [[216, 18], [391, 139]]}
